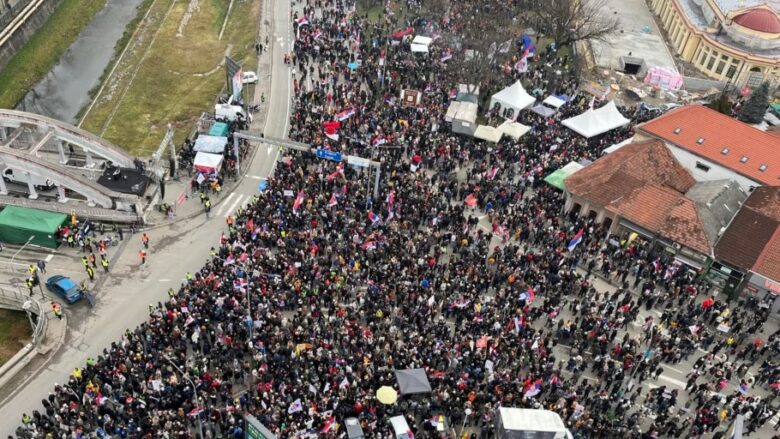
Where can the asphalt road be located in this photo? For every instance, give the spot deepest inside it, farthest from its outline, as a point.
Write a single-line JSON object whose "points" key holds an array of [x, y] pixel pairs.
{"points": [[123, 296]]}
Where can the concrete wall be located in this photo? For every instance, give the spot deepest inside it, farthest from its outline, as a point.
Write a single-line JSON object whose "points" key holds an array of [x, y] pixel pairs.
{"points": [[25, 31]]}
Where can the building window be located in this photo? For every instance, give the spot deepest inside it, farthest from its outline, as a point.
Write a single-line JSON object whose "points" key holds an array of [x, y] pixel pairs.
{"points": [[703, 57], [702, 167], [721, 66], [711, 62], [731, 71]]}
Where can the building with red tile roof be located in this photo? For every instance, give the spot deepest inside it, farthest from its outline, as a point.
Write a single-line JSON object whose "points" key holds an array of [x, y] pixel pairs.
{"points": [[641, 188], [713, 146], [751, 243]]}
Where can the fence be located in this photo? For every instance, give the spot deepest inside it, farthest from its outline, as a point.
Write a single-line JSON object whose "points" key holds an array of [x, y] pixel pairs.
{"points": [[15, 300]]}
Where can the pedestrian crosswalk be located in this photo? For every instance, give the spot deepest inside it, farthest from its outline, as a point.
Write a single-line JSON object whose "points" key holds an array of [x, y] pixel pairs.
{"points": [[233, 201]]}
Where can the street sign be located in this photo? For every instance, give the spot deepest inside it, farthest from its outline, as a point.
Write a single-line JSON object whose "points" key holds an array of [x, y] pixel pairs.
{"points": [[358, 161], [328, 155], [256, 430]]}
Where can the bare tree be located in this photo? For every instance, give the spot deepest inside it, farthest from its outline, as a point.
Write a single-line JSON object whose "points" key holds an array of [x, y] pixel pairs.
{"points": [[569, 21]]}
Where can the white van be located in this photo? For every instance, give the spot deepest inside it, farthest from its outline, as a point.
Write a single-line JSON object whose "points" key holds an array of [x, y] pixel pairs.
{"points": [[230, 113], [16, 176]]}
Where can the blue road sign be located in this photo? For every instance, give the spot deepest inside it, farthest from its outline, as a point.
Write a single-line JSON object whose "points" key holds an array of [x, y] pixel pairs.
{"points": [[328, 155]]}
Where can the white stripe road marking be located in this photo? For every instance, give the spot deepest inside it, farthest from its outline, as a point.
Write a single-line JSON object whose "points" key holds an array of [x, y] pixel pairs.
{"points": [[239, 201], [225, 203], [48, 258], [163, 280], [254, 177], [673, 381]]}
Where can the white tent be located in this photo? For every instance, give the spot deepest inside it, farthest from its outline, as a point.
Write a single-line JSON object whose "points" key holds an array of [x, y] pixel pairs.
{"points": [[594, 122], [425, 41], [513, 129], [486, 132], [543, 110], [417, 48], [514, 97], [554, 101], [465, 111], [206, 162], [212, 144]]}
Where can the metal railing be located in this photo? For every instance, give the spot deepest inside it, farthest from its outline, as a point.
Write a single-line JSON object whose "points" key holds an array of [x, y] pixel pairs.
{"points": [[16, 300], [10, 13]]}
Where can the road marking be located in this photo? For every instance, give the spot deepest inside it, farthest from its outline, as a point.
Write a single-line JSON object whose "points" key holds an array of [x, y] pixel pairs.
{"points": [[673, 381], [239, 201], [48, 258], [225, 203], [254, 177], [676, 370], [163, 280]]}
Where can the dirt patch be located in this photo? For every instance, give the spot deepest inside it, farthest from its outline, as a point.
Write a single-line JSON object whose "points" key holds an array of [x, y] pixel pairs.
{"points": [[15, 332]]}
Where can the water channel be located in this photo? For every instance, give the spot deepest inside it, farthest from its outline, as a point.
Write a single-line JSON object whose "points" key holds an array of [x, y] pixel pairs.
{"points": [[64, 90]]}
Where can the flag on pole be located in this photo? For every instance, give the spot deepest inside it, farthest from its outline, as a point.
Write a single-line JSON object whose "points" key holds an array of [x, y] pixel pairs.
{"points": [[378, 140], [528, 295], [295, 407], [328, 425], [374, 217], [491, 174], [368, 245], [446, 55], [300, 21], [576, 240], [339, 171], [332, 129], [344, 115], [316, 34], [390, 199], [471, 200], [297, 203], [332, 202], [522, 65]]}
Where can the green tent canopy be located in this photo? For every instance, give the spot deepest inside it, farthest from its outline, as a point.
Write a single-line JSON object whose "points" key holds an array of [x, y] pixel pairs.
{"points": [[18, 224], [556, 178], [219, 129]]}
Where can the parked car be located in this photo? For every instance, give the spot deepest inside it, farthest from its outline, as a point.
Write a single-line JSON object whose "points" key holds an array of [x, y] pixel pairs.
{"points": [[249, 78], [64, 287]]}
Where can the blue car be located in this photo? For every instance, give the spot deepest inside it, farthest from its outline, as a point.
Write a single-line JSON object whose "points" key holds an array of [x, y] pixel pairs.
{"points": [[65, 288]]}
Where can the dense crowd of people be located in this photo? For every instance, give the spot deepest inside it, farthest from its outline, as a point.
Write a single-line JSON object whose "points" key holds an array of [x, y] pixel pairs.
{"points": [[318, 291]]}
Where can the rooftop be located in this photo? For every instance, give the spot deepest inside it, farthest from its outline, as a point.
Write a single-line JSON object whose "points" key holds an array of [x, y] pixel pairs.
{"points": [[761, 20], [727, 6], [717, 202], [759, 222], [721, 139]]}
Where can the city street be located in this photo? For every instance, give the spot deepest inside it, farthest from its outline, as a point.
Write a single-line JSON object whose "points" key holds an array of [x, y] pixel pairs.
{"points": [[175, 249]]}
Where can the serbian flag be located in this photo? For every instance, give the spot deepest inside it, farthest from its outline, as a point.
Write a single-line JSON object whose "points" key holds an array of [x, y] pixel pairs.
{"points": [[339, 171], [368, 245], [446, 55], [332, 129], [300, 21], [332, 202], [378, 140], [576, 240], [196, 411], [492, 173], [374, 217], [528, 296], [390, 198], [298, 202], [316, 34], [329, 425], [522, 65], [471, 200], [344, 115]]}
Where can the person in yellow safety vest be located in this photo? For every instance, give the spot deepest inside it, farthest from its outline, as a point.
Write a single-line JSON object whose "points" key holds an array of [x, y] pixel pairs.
{"points": [[91, 273], [171, 292], [189, 276], [85, 261], [213, 252], [26, 419], [104, 263], [32, 269], [30, 284]]}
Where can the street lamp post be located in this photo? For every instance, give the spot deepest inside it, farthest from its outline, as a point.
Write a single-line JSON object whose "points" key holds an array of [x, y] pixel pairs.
{"points": [[194, 391], [19, 251]]}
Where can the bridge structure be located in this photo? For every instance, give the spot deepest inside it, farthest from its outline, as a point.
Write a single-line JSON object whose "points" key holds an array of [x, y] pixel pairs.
{"points": [[45, 149]]}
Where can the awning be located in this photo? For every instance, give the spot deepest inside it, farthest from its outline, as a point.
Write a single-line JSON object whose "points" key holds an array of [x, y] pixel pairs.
{"points": [[206, 162], [412, 381], [515, 130], [554, 101], [557, 177], [594, 122], [212, 144], [488, 133], [543, 111]]}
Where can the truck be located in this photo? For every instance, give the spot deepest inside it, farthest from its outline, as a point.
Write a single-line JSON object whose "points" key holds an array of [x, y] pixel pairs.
{"points": [[516, 423]]}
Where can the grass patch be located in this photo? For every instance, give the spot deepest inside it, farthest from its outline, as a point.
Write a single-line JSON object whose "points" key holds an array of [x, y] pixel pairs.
{"points": [[45, 48], [168, 78], [15, 332]]}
